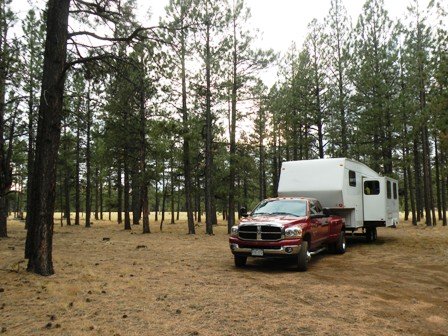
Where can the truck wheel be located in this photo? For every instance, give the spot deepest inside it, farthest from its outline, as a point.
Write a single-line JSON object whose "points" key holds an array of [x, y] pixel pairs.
{"points": [[240, 261], [340, 246], [303, 257]]}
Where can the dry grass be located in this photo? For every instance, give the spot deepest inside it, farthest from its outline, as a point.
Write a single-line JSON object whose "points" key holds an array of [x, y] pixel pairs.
{"points": [[173, 284]]}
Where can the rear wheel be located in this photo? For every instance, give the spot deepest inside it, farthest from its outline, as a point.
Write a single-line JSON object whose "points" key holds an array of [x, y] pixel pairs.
{"points": [[340, 246], [303, 257], [240, 261]]}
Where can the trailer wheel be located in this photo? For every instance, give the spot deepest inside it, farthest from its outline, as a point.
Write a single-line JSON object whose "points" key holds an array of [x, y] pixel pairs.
{"points": [[371, 234], [340, 246], [303, 257], [240, 261]]}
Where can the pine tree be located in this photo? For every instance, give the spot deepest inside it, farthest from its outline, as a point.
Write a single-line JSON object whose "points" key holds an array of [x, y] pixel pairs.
{"points": [[374, 76]]}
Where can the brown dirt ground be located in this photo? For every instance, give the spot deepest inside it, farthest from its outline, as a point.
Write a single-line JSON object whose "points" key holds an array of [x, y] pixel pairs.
{"points": [[171, 283]]}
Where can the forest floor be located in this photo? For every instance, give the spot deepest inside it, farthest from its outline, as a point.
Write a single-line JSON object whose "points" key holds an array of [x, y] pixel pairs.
{"points": [[114, 282]]}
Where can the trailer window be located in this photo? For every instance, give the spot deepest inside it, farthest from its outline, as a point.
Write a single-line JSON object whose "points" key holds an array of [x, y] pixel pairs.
{"points": [[351, 178], [395, 191], [371, 188], [389, 190]]}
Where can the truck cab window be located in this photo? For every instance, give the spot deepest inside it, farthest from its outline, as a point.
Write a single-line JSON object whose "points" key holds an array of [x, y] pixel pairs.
{"points": [[395, 191], [351, 178], [316, 208]]}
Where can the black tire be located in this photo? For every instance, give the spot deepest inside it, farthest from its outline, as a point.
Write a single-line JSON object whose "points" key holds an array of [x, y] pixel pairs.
{"points": [[340, 246], [240, 261], [303, 257], [374, 234], [371, 234]]}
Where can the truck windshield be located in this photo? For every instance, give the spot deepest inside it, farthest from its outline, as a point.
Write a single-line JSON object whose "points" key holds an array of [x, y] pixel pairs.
{"points": [[281, 207]]}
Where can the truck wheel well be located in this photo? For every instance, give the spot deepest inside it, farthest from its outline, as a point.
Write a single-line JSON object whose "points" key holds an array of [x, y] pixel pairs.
{"points": [[307, 237]]}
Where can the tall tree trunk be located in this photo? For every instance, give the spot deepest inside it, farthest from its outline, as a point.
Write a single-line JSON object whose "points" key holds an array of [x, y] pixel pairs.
{"points": [[127, 218], [109, 196], [208, 138], [157, 196], [30, 155], [119, 194], [97, 184], [275, 160], [426, 177], [101, 196], [88, 160], [444, 182], [172, 187], [136, 195], [198, 198], [143, 178], [232, 161], [5, 157], [405, 188], [78, 164], [164, 192], [39, 242], [178, 202], [437, 180], [417, 172], [67, 188], [186, 135]]}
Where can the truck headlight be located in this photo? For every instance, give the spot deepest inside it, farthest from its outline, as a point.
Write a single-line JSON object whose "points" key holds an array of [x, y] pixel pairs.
{"points": [[293, 232], [234, 231]]}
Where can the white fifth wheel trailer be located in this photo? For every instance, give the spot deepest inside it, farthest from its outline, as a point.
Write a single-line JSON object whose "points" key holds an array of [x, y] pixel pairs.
{"points": [[346, 188]]}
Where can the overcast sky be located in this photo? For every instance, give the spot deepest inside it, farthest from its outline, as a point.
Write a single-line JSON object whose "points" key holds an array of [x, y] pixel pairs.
{"points": [[284, 21], [280, 21]]}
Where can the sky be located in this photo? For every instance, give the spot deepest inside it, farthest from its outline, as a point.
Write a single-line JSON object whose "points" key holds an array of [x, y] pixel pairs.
{"points": [[282, 22]]}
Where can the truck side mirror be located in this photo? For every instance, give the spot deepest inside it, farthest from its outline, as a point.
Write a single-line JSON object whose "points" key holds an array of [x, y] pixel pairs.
{"points": [[243, 212]]}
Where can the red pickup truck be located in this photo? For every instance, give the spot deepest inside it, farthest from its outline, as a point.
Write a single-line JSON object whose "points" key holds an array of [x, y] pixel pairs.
{"points": [[294, 228]]}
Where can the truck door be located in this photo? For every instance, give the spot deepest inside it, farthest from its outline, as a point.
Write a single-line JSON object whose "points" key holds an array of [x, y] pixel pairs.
{"points": [[374, 199], [319, 224]]}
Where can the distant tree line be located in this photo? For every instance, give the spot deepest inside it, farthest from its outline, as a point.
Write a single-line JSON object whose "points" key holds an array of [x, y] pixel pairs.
{"points": [[117, 116]]}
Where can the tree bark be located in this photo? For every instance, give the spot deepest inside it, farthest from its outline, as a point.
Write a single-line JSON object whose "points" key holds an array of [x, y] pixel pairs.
{"points": [[88, 160], [78, 165], [67, 190], [172, 199], [136, 194], [143, 177], [119, 194], [208, 138], [232, 159], [5, 157], [127, 218], [109, 196], [97, 177], [39, 242], [437, 180], [186, 133]]}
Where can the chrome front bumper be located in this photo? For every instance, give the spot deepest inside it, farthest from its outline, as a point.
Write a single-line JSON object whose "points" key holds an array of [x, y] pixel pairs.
{"points": [[287, 250]]}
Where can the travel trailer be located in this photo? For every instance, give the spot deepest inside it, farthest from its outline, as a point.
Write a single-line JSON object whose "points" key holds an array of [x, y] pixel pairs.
{"points": [[347, 188]]}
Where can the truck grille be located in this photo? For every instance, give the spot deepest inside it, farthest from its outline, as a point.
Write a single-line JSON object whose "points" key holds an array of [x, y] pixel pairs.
{"points": [[260, 232]]}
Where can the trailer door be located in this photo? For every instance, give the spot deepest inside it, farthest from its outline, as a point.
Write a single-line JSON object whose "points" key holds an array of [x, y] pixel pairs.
{"points": [[374, 199]]}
